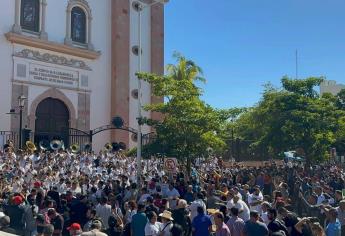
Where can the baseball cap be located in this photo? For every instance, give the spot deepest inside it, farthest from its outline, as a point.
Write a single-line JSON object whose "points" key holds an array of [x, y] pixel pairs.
{"points": [[74, 226], [17, 200]]}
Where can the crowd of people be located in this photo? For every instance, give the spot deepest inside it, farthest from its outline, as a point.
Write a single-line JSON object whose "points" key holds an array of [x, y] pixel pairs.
{"points": [[62, 193]]}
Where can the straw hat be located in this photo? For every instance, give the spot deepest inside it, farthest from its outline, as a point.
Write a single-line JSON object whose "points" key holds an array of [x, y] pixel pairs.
{"points": [[166, 215], [212, 211]]}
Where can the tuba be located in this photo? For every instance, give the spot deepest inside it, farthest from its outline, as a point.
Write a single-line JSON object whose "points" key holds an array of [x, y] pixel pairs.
{"points": [[44, 144], [55, 145], [75, 148], [30, 146], [108, 147]]}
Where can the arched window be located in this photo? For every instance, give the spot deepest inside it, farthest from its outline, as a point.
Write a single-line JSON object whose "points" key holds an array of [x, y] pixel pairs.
{"points": [[78, 25], [30, 15]]}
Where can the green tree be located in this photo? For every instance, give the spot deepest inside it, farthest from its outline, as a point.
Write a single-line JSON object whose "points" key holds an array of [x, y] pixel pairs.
{"points": [[294, 117], [189, 126]]}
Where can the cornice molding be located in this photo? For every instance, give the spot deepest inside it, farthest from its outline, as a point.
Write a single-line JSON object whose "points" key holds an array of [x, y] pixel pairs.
{"points": [[50, 58], [51, 46]]}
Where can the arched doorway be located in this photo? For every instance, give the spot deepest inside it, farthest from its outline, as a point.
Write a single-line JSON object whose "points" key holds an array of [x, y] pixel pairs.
{"points": [[52, 119]]}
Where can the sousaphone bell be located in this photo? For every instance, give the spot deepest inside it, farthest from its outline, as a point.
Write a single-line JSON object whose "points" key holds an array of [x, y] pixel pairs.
{"points": [[44, 144], [55, 145], [75, 148], [30, 146]]}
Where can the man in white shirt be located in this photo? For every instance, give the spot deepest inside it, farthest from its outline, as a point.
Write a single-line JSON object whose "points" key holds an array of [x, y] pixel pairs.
{"points": [[144, 195], [244, 212], [255, 199], [195, 204], [172, 195], [103, 211], [320, 196]]}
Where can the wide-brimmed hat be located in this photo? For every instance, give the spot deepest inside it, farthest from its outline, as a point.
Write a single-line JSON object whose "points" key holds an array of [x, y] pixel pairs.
{"points": [[212, 211], [166, 215]]}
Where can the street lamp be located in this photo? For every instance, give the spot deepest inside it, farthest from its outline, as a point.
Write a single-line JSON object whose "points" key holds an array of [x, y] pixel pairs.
{"points": [[21, 103], [140, 8]]}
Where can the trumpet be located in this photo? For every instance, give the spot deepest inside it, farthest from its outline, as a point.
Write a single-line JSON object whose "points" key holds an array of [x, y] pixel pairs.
{"points": [[55, 145], [75, 148], [30, 146]]}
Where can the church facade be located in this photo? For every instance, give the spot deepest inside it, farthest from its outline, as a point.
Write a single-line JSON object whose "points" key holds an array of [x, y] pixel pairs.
{"points": [[74, 62]]}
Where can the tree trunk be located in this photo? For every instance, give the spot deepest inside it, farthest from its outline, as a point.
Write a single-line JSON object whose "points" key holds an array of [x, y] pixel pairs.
{"points": [[189, 162]]}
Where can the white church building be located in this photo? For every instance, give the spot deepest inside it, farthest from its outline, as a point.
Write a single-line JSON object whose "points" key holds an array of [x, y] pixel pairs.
{"points": [[74, 62]]}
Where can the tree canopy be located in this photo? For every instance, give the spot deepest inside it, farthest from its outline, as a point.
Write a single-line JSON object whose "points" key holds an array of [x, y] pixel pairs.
{"points": [[293, 117], [190, 127]]}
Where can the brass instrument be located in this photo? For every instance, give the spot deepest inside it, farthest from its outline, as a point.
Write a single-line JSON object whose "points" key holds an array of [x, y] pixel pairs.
{"points": [[108, 147], [63, 145], [55, 145], [44, 144], [30, 146], [75, 148]]}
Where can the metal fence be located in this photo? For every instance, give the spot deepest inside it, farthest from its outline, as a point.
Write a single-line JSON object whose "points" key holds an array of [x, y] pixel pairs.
{"points": [[9, 135]]}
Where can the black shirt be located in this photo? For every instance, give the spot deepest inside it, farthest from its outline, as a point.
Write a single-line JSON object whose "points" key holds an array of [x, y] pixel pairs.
{"points": [[57, 222], [276, 225], [16, 214], [290, 221]]}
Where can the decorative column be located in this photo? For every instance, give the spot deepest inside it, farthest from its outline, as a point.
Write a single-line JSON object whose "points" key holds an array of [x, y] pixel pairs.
{"points": [[16, 28], [43, 33], [68, 39], [89, 33]]}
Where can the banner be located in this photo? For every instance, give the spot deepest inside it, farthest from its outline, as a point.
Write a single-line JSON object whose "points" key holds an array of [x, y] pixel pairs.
{"points": [[170, 164]]}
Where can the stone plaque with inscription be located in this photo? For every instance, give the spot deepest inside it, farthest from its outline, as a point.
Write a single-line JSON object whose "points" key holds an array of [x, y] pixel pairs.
{"points": [[53, 76]]}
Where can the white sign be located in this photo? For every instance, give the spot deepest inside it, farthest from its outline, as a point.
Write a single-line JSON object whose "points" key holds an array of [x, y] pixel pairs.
{"points": [[53, 76], [170, 165]]}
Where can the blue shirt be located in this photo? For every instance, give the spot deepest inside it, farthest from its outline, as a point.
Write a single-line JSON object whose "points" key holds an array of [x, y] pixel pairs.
{"points": [[138, 224], [201, 223], [333, 229]]}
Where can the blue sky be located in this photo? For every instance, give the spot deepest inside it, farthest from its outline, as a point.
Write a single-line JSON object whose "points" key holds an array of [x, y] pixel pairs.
{"points": [[244, 44]]}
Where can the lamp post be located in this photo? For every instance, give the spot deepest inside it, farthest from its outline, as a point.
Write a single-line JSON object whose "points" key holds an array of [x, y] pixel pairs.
{"points": [[21, 103], [141, 7]]}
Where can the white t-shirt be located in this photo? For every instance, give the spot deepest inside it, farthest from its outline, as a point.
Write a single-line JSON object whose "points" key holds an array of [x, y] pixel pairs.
{"points": [[320, 199], [194, 208], [166, 228], [153, 229], [264, 217], [242, 208], [252, 198]]}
